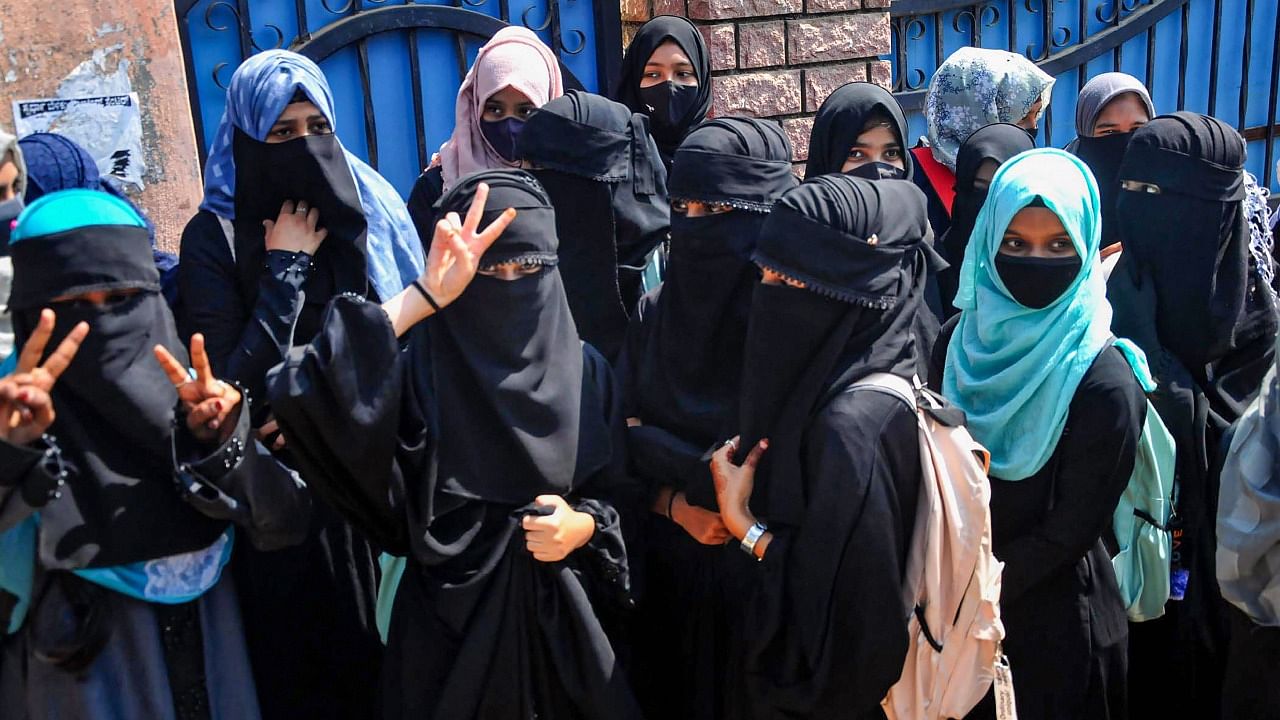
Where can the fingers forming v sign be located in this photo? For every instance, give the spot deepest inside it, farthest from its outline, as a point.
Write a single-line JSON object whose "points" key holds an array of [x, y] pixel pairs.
{"points": [[457, 246], [25, 405], [208, 402]]}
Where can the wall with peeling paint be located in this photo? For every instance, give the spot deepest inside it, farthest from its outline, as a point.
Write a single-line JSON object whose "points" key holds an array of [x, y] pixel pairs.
{"points": [[80, 45]]}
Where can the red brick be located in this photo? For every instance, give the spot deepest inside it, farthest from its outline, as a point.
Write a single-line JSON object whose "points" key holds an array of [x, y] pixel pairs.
{"points": [[722, 45], [669, 7], [634, 10], [821, 82], [797, 131], [881, 73], [759, 94], [730, 9], [837, 37], [826, 6], [762, 44]]}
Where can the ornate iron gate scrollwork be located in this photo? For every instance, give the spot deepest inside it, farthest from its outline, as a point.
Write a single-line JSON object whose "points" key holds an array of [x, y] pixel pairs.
{"points": [[218, 34], [1207, 41]]}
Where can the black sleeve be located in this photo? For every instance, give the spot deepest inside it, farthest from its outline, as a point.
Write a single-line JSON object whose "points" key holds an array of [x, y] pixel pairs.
{"points": [[243, 341], [612, 496], [241, 482], [829, 613], [938, 354], [338, 402], [29, 478], [1094, 461], [427, 190]]}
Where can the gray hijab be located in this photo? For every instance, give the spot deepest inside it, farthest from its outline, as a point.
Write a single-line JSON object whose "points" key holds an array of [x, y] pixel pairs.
{"points": [[1101, 90]]}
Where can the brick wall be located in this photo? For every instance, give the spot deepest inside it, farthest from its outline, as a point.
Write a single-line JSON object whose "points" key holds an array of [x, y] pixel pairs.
{"points": [[781, 58]]}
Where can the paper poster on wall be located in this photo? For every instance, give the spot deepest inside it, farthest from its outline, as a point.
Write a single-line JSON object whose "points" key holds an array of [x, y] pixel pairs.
{"points": [[108, 126]]}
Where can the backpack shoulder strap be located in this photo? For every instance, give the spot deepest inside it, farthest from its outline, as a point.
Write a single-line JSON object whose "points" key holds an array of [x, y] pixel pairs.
{"points": [[940, 176], [889, 384]]}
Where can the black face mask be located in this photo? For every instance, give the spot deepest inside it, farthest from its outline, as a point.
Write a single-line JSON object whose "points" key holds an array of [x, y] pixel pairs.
{"points": [[878, 171], [502, 135], [1037, 282], [668, 105]]}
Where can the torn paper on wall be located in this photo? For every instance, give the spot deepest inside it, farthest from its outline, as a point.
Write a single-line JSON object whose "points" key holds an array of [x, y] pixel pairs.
{"points": [[108, 126]]}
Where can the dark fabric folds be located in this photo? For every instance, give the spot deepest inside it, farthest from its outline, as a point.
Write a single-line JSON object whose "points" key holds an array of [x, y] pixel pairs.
{"points": [[739, 161], [842, 118], [1103, 155], [861, 247], [599, 166], [505, 365], [103, 257]]}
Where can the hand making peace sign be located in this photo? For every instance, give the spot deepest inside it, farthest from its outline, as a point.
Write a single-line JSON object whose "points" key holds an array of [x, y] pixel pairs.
{"points": [[26, 409], [211, 405], [457, 246]]}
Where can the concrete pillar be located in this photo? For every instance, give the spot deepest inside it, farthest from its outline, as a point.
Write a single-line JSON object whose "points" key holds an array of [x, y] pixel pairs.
{"points": [[41, 42]]}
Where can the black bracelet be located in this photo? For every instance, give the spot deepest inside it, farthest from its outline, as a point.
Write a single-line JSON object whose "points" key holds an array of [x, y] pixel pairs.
{"points": [[426, 295], [671, 500]]}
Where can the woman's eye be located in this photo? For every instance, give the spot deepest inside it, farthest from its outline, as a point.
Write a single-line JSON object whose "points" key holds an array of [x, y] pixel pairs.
{"points": [[526, 112], [686, 74], [1061, 245], [717, 208], [893, 154], [282, 132], [679, 206], [320, 128], [530, 267], [856, 154], [1012, 243]]}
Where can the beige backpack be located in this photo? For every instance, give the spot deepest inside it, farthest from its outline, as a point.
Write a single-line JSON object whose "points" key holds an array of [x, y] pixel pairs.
{"points": [[952, 579]]}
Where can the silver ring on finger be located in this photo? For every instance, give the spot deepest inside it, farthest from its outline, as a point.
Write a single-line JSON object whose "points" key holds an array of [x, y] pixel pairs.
{"points": [[301, 209]]}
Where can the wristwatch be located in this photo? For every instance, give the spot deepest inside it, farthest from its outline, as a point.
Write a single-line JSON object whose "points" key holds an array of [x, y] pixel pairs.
{"points": [[751, 538]]}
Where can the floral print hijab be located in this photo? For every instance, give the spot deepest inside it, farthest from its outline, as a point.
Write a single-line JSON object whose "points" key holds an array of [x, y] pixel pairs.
{"points": [[975, 88]]}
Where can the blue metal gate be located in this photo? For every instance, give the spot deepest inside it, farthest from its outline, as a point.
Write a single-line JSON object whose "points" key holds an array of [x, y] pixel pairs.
{"points": [[1219, 57], [394, 66]]}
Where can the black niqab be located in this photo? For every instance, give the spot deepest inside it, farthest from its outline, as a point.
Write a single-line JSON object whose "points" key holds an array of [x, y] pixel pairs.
{"points": [[861, 249], [115, 405], [627, 90], [312, 169], [843, 117], [1103, 155], [1192, 238], [505, 371], [595, 159], [689, 369]]}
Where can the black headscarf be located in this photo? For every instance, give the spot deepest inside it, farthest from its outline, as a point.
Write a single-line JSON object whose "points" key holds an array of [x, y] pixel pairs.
{"points": [[115, 406], [627, 90], [1192, 238], [312, 169], [689, 369], [999, 142], [505, 375], [843, 117], [598, 164], [861, 249]]}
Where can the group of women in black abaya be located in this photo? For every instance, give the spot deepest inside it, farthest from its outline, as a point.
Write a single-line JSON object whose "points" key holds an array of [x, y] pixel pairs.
{"points": [[461, 458]]}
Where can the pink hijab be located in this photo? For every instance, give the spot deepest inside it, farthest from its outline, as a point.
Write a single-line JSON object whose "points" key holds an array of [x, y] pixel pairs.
{"points": [[515, 58]]}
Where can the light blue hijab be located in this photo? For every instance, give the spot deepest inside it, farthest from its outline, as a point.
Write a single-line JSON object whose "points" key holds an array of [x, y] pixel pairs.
{"points": [[260, 89], [1014, 370]]}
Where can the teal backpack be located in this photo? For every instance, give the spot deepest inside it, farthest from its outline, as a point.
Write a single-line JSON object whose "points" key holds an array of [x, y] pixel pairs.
{"points": [[1141, 523]]}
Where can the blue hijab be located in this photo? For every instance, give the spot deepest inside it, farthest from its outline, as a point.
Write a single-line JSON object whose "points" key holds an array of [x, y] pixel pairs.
{"points": [[1014, 370], [260, 90]]}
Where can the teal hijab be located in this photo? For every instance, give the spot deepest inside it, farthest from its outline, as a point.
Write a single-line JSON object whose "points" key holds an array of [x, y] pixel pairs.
{"points": [[1014, 370]]}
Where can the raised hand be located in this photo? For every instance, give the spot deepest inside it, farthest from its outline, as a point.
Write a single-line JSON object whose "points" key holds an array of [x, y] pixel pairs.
{"points": [[457, 246], [734, 484], [211, 405], [295, 229], [26, 409]]}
